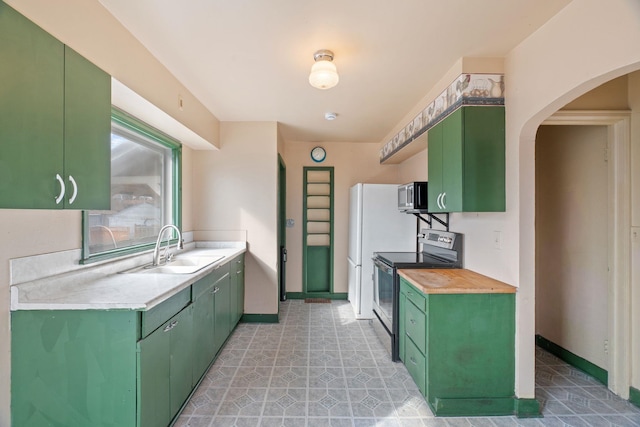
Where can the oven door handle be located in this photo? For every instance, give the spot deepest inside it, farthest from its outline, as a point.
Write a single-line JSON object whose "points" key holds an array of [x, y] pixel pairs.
{"points": [[382, 266]]}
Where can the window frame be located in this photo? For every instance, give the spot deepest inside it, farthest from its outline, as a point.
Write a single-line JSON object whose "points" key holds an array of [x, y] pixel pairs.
{"points": [[135, 125]]}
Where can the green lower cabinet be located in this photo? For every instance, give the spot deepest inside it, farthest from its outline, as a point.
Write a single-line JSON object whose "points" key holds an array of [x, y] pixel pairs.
{"points": [[469, 351], [222, 309], [73, 368], [203, 326], [415, 362], [120, 368], [181, 359], [402, 336], [165, 366], [153, 379], [237, 289]]}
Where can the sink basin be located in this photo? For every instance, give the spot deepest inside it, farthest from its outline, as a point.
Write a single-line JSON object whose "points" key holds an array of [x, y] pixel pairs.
{"points": [[183, 264]]}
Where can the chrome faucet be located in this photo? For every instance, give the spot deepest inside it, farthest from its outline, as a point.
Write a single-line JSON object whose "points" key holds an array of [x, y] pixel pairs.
{"points": [[156, 251]]}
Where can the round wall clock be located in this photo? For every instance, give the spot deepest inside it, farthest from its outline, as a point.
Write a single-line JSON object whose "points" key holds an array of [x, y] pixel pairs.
{"points": [[318, 154]]}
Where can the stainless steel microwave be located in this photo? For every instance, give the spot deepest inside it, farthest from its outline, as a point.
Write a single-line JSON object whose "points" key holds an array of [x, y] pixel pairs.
{"points": [[412, 196]]}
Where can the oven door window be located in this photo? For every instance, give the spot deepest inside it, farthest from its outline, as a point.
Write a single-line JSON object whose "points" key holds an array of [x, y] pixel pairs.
{"points": [[384, 290]]}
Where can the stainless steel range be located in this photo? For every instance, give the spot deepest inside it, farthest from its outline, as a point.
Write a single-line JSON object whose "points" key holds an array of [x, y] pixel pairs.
{"points": [[440, 249]]}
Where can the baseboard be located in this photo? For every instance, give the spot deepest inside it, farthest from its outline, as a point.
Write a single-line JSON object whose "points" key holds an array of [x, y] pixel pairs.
{"points": [[634, 396], [527, 408], [574, 360], [488, 406], [303, 295], [260, 318]]}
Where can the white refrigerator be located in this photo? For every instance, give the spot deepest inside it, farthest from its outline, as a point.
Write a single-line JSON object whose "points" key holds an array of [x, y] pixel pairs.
{"points": [[375, 225]]}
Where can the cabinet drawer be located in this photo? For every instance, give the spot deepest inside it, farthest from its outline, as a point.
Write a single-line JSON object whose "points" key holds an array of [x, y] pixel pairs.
{"points": [[415, 296], [238, 264], [220, 271], [159, 314], [415, 325], [201, 286], [416, 364], [210, 279]]}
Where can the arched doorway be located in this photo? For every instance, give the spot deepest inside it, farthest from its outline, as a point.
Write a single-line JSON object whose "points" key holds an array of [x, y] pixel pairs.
{"points": [[588, 316]]}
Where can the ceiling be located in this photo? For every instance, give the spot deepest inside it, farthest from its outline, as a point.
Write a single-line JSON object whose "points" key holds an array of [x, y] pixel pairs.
{"points": [[250, 60]]}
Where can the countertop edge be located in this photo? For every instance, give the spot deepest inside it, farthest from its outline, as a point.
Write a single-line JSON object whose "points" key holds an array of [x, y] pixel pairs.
{"points": [[188, 280]]}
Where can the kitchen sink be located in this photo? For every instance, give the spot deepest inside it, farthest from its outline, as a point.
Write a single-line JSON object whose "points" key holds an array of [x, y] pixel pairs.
{"points": [[182, 264]]}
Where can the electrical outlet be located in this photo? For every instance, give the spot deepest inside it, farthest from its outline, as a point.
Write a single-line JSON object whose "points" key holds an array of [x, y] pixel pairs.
{"points": [[497, 239], [606, 346]]}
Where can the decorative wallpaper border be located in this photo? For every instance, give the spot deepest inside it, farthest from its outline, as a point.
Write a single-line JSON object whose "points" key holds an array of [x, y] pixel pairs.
{"points": [[467, 89]]}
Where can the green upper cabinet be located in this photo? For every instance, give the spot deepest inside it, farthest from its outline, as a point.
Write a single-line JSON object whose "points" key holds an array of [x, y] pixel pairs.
{"points": [[31, 112], [54, 121], [466, 161], [87, 134]]}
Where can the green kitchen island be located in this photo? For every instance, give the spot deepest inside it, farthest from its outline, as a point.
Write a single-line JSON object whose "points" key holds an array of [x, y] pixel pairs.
{"points": [[457, 340]]}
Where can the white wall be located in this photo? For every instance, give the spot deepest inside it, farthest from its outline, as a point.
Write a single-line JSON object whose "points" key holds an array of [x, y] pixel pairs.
{"points": [[353, 163], [88, 28], [572, 237], [634, 104], [586, 44], [93, 32], [235, 189]]}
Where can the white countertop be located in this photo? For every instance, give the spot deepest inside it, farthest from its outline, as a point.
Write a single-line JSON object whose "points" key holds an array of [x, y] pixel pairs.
{"points": [[101, 289]]}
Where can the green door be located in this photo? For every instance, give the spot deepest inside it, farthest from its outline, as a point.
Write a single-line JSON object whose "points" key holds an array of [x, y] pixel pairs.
{"points": [[317, 245], [87, 134], [31, 113], [282, 229]]}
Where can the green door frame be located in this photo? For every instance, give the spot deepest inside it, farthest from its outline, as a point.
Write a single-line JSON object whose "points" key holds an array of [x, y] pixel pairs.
{"points": [[282, 228], [305, 261]]}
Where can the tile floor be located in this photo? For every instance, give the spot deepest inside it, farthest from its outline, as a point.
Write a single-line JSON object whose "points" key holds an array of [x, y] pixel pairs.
{"points": [[321, 367]]}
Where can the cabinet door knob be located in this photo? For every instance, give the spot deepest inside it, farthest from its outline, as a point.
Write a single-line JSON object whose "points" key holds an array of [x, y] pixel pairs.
{"points": [[75, 189], [216, 289], [62, 189]]}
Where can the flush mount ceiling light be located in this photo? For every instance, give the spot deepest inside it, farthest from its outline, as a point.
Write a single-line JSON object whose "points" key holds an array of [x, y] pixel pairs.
{"points": [[330, 116], [324, 74]]}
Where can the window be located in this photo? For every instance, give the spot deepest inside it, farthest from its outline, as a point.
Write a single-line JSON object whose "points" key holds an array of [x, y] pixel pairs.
{"points": [[145, 191]]}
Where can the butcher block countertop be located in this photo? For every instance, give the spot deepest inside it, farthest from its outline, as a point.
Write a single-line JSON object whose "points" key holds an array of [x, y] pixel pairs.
{"points": [[454, 281]]}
